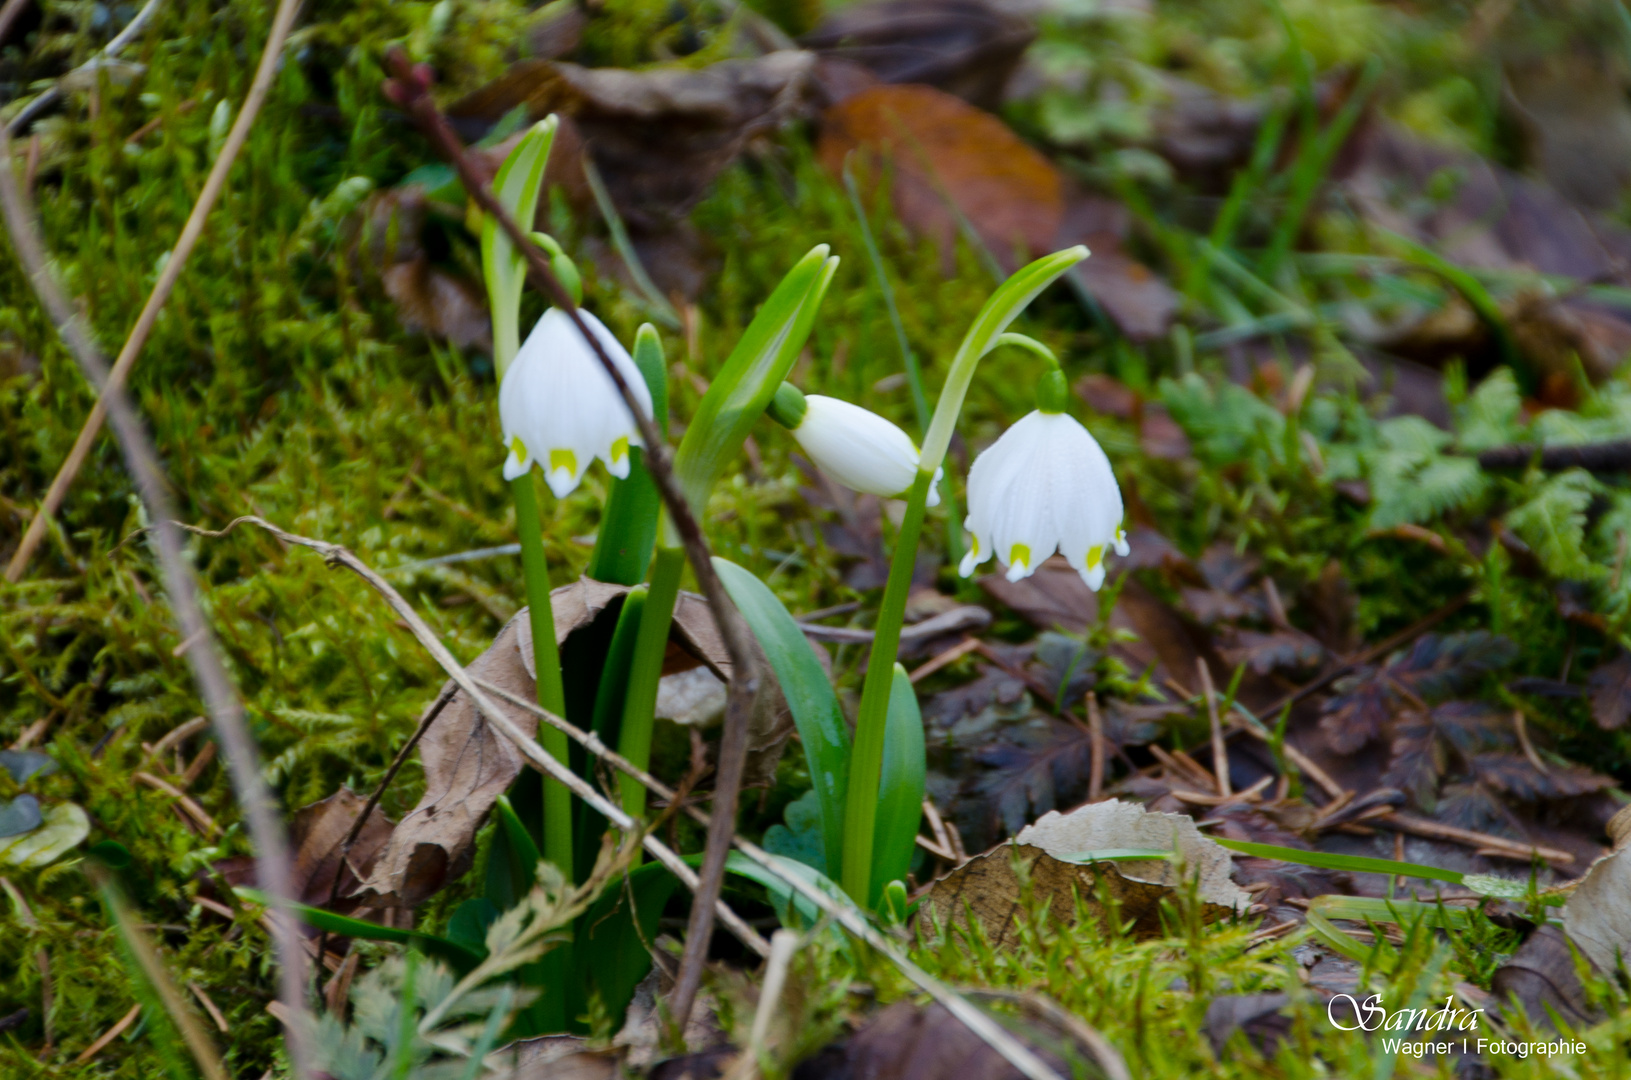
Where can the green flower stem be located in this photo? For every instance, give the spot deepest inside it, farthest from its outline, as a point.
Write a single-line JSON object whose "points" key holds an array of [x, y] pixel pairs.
{"points": [[645, 669], [547, 661], [866, 758]]}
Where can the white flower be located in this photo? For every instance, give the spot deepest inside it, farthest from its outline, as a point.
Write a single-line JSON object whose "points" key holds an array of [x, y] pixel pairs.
{"points": [[1043, 486], [561, 409], [858, 448]]}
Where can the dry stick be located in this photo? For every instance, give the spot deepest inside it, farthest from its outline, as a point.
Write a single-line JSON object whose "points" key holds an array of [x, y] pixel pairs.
{"points": [[987, 1029], [411, 90], [536, 755], [112, 49], [109, 1035], [214, 685], [1095, 726], [281, 23], [8, 15], [1220, 751]]}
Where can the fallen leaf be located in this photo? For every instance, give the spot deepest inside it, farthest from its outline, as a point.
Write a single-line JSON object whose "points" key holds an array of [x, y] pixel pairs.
{"points": [[1597, 916], [1515, 775], [1259, 1015], [910, 1041], [1542, 977], [1288, 651], [467, 765], [949, 158], [1435, 667], [63, 828], [1610, 686], [964, 47], [318, 835], [660, 136], [988, 887], [436, 302]]}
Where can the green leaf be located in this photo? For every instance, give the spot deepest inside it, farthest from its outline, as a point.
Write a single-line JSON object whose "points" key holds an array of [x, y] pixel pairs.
{"points": [[612, 942], [809, 695], [756, 367], [62, 829], [516, 187], [512, 860], [801, 838], [628, 525], [459, 957], [1012, 297], [607, 717], [791, 908], [1327, 861], [900, 788], [1553, 523]]}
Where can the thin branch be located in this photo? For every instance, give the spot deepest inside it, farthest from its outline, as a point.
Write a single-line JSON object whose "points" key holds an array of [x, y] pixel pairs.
{"points": [[1612, 456], [177, 261], [214, 685], [410, 88], [846, 915], [111, 50], [536, 755]]}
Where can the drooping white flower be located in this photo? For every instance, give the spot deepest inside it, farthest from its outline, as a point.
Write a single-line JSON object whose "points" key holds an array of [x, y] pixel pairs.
{"points": [[858, 448], [560, 408], [1045, 485]]}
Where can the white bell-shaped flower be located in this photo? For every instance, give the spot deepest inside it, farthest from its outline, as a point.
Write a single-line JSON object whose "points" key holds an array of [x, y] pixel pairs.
{"points": [[1044, 486], [560, 408], [858, 448]]}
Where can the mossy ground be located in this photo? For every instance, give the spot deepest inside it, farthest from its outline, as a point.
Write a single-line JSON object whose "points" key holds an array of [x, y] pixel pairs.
{"points": [[279, 382]]}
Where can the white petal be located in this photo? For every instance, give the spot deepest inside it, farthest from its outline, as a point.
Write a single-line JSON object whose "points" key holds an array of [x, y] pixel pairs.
{"points": [[857, 447], [1046, 486], [559, 401]]}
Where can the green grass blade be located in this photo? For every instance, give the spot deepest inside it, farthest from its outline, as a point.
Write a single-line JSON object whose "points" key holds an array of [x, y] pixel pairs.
{"points": [[900, 788], [1354, 863], [459, 957], [607, 719], [628, 524], [809, 695]]}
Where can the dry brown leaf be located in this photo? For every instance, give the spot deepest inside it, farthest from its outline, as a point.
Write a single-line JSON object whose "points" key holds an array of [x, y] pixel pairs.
{"points": [[1597, 917], [659, 137], [945, 151], [468, 765], [1610, 687], [318, 834], [964, 47], [989, 888], [908, 1041]]}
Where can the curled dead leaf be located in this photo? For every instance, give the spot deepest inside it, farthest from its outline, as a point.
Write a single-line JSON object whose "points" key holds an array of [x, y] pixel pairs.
{"points": [[468, 765], [990, 888]]}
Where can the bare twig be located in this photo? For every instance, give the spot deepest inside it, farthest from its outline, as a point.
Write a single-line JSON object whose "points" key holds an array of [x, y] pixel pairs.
{"points": [[8, 15], [214, 685], [109, 1035], [536, 755], [111, 50], [1484, 842], [1220, 749], [177, 261], [845, 915], [1614, 456], [1095, 726], [410, 88]]}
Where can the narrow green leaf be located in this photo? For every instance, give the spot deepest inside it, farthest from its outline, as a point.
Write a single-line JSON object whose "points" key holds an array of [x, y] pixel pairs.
{"points": [[628, 525], [1354, 863], [612, 942], [900, 788], [756, 367], [516, 187], [459, 957], [607, 717], [809, 695]]}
